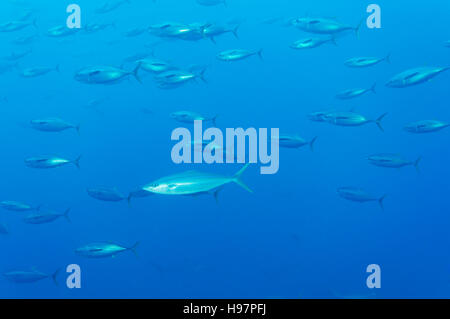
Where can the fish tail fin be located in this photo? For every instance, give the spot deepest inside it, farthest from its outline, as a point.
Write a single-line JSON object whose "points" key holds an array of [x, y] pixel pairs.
{"points": [[235, 31], [130, 196], [381, 201], [216, 196], [202, 75], [358, 28], [55, 275], [378, 122], [416, 164], [373, 88], [136, 72], [333, 40], [237, 178], [77, 128], [76, 162], [311, 144], [260, 54], [66, 215], [213, 120], [213, 40], [388, 58], [133, 249], [35, 23]]}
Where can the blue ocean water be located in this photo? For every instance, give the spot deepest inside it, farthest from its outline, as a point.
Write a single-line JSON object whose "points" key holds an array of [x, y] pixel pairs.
{"points": [[294, 237]]}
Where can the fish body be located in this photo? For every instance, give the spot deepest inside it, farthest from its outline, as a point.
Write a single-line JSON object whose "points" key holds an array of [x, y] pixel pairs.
{"points": [[37, 71], [322, 26], [103, 250], [190, 117], [391, 161], [358, 195], [352, 93], [23, 277], [415, 76], [193, 183], [176, 78], [105, 194], [93, 28], [15, 56], [15, 25], [293, 141], [319, 116], [45, 216], [311, 43], [155, 66], [426, 126], [104, 75], [351, 119], [211, 31], [61, 31], [44, 162], [53, 125], [237, 54], [16, 206], [364, 62]]}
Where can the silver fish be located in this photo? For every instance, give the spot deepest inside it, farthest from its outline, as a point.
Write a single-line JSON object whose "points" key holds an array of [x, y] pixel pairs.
{"points": [[351, 119], [21, 277], [364, 62], [38, 71], [238, 54], [415, 76], [16, 25], [323, 26], [155, 66], [194, 183], [176, 78], [311, 43], [212, 31], [105, 75], [45, 216], [16, 206], [106, 194], [50, 162], [104, 250], [53, 125], [61, 31], [352, 93], [392, 161], [426, 126], [190, 117], [359, 195], [294, 141]]}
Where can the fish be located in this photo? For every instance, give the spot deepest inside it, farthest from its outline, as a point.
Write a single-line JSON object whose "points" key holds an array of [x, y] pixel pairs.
{"points": [[139, 193], [310, 43], [95, 27], [17, 206], [323, 26], [155, 66], [38, 71], [16, 25], [105, 75], [364, 62], [106, 194], [15, 56], [293, 141], [3, 229], [188, 32], [104, 250], [359, 195], [238, 54], [426, 126], [210, 3], [213, 30], [111, 6], [53, 125], [351, 119], [319, 116], [136, 57], [44, 162], [352, 93], [415, 76], [190, 117], [61, 31], [176, 78], [392, 161], [23, 277], [194, 183], [45, 216]]}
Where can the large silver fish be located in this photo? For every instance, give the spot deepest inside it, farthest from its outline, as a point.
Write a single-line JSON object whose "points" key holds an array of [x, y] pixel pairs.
{"points": [[351, 119], [323, 26], [392, 161], [22, 277], [359, 195], [238, 54], [294, 141], [105, 75], [16, 206], [104, 250], [190, 117], [352, 93], [176, 78], [426, 126], [310, 43], [415, 76], [106, 194], [213, 30], [50, 162], [44, 216], [53, 125], [364, 62], [194, 183]]}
